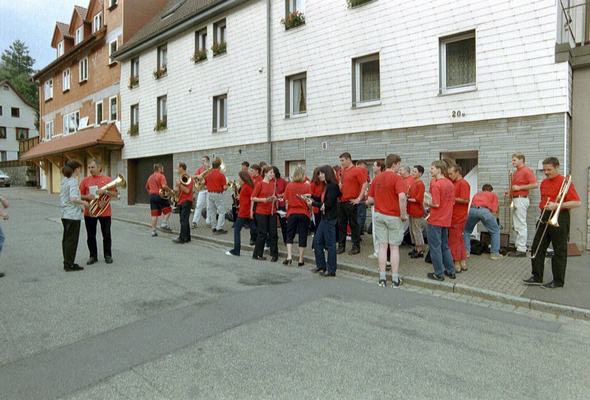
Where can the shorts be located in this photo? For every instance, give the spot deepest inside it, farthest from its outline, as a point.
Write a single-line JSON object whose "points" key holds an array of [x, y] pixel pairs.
{"points": [[388, 229], [417, 225], [159, 206]]}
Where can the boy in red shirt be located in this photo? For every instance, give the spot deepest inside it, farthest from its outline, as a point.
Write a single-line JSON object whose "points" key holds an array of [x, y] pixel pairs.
{"points": [[158, 205], [484, 208], [442, 192], [416, 212], [185, 203], [460, 210], [216, 184], [353, 185]]}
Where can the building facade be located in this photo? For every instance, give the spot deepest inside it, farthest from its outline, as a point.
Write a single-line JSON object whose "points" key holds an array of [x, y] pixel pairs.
{"points": [[17, 121]]}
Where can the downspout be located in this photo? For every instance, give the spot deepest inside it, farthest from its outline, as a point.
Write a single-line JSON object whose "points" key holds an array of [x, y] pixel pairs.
{"points": [[268, 82], [565, 143]]}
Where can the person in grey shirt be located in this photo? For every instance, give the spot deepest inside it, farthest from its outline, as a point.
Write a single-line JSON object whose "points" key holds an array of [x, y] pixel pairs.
{"points": [[71, 213]]}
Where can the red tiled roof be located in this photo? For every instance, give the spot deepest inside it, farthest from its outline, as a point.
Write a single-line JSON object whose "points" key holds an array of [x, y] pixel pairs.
{"points": [[103, 135]]}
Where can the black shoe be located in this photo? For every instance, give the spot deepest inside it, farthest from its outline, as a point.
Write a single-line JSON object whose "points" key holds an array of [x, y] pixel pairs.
{"points": [[396, 284], [340, 250], [516, 253], [92, 260], [417, 255], [252, 242], [411, 253], [552, 285], [382, 283], [354, 250], [214, 230], [74, 267], [288, 261], [274, 259], [1, 274], [533, 281], [178, 241], [300, 264], [435, 277], [316, 270], [108, 260], [259, 258], [220, 231], [451, 276], [327, 274]]}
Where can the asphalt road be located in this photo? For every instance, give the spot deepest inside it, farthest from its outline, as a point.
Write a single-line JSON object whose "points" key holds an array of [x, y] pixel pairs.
{"points": [[170, 321]]}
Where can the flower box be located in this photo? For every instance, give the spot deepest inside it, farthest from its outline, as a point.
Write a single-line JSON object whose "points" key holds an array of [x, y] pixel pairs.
{"points": [[133, 130], [293, 20], [160, 72], [219, 48], [160, 126], [199, 55], [133, 82], [355, 3]]}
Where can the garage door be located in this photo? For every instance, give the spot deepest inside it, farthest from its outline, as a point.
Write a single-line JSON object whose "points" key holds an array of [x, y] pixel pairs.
{"points": [[144, 168]]}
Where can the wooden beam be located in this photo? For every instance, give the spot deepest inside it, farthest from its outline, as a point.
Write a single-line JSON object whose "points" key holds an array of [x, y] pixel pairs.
{"points": [[57, 161], [95, 153]]}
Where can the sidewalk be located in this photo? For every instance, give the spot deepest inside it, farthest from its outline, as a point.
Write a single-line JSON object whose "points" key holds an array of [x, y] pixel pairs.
{"points": [[485, 278]]}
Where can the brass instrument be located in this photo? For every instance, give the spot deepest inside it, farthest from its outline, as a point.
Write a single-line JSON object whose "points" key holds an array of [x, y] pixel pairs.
{"points": [[200, 179], [185, 180], [99, 204], [170, 195], [554, 214]]}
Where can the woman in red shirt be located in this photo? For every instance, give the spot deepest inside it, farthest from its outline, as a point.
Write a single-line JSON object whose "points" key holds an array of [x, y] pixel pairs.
{"points": [[317, 188], [281, 186], [265, 197], [244, 207], [298, 214]]}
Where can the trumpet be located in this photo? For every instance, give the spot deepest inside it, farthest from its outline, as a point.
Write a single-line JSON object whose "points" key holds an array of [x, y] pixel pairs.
{"points": [[99, 205]]}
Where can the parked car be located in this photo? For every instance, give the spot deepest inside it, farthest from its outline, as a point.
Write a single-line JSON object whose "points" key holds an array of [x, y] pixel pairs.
{"points": [[4, 179]]}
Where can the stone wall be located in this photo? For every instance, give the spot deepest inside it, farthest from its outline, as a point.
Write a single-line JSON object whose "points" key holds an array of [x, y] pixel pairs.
{"points": [[21, 175]]}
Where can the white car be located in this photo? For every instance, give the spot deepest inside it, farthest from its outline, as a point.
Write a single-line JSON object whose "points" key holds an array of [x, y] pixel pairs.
{"points": [[4, 179]]}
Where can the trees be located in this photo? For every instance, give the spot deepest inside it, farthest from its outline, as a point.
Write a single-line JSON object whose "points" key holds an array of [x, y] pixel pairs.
{"points": [[16, 66]]}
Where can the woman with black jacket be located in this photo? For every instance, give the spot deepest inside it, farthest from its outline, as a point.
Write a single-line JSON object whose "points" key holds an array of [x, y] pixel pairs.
{"points": [[325, 236]]}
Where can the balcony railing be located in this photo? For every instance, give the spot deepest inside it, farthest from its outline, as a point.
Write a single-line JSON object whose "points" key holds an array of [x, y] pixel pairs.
{"points": [[573, 20]]}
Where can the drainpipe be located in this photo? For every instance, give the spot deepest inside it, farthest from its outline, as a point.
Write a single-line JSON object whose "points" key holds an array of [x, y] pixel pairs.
{"points": [[268, 81], [565, 143]]}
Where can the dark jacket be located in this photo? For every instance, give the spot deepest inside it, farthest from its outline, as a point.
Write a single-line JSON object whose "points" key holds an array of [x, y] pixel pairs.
{"points": [[330, 201]]}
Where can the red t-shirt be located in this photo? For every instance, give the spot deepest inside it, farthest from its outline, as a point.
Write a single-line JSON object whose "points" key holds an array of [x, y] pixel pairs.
{"points": [[155, 182], [416, 209], [281, 186], [462, 191], [262, 190], [317, 188], [353, 179], [295, 205], [215, 181], [245, 201], [385, 189], [184, 197], [488, 200], [96, 182], [523, 176], [200, 170], [408, 180], [550, 190], [256, 179], [443, 194]]}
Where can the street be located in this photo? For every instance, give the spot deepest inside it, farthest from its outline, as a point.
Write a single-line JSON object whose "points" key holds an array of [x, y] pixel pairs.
{"points": [[169, 321]]}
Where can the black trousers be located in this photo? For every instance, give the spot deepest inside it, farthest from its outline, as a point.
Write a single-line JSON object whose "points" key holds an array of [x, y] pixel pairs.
{"points": [[266, 227], [185, 228], [347, 214], [558, 238], [297, 224], [69, 241], [105, 228]]}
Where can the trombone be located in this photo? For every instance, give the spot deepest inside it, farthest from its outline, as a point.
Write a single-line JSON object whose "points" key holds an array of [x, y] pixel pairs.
{"points": [[553, 218]]}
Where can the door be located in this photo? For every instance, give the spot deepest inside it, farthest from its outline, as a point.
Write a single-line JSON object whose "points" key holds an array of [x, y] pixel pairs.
{"points": [[144, 168]]}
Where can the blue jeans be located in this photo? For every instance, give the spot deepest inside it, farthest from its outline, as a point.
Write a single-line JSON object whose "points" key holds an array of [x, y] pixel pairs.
{"points": [[238, 225], [1, 239], [489, 221], [438, 244], [325, 237], [361, 213]]}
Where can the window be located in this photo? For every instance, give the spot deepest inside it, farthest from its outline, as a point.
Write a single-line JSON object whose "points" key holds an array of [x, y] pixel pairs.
{"points": [[22, 133], [98, 116], [163, 57], [3, 156], [200, 45], [296, 95], [294, 5], [162, 112], [0, 111], [97, 22], [294, 13], [113, 108], [60, 49], [219, 39], [48, 89], [83, 70], [2, 132], [112, 3], [71, 122], [66, 80], [15, 112], [112, 49], [135, 67], [366, 87], [134, 119], [457, 63], [79, 35], [220, 113], [48, 130]]}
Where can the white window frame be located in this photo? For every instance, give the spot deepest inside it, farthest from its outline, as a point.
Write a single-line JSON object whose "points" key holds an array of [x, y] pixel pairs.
{"points": [[48, 130], [96, 120], [201, 41], [217, 110], [443, 90], [357, 102], [97, 22], [60, 49], [66, 118], [66, 80], [48, 89], [162, 62], [290, 111], [295, 5], [160, 110], [83, 63], [220, 31], [111, 119], [79, 35], [133, 70], [134, 120], [111, 51]]}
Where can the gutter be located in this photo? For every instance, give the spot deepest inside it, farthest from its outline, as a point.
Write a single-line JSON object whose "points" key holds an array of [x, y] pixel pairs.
{"points": [[268, 81]]}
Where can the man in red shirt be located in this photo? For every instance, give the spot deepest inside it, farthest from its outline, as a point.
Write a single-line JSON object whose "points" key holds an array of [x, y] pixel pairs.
{"points": [[362, 206], [158, 205], [558, 235], [216, 184], [523, 179], [406, 173], [202, 195], [388, 194], [460, 210], [484, 209], [416, 212], [185, 203], [89, 190], [353, 185], [442, 194]]}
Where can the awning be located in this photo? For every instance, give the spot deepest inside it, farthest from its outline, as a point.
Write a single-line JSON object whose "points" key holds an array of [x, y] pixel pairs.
{"points": [[104, 135]]}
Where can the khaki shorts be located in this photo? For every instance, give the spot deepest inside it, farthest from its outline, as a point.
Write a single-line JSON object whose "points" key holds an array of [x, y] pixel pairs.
{"points": [[388, 229], [417, 230]]}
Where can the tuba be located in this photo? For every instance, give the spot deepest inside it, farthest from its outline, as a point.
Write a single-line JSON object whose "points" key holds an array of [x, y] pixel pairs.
{"points": [[200, 180], [185, 180], [99, 205]]}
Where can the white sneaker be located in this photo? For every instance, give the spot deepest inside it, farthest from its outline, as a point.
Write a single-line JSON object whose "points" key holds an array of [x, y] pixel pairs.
{"points": [[154, 233], [373, 256]]}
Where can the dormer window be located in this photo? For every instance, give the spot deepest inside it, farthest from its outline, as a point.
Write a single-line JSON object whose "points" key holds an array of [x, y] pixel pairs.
{"points": [[79, 35], [112, 3], [60, 49], [97, 22]]}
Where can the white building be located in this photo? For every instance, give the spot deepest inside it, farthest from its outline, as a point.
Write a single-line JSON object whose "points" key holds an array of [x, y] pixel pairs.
{"points": [[17, 121]]}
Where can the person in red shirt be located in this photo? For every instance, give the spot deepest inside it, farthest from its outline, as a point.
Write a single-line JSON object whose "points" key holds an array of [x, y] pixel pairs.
{"points": [[460, 211], [484, 209], [523, 179], [265, 197], [406, 173], [158, 205], [442, 194], [353, 185], [281, 185], [244, 207], [245, 166], [256, 174], [202, 194], [185, 203], [89, 190], [362, 206], [298, 214], [216, 184], [378, 168], [416, 212], [317, 188], [556, 235], [388, 194]]}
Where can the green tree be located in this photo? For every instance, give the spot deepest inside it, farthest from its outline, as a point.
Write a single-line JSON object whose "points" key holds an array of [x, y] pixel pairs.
{"points": [[16, 66]]}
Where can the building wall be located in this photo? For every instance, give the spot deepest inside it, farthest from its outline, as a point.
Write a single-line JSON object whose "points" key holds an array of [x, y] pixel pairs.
{"points": [[9, 99]]}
